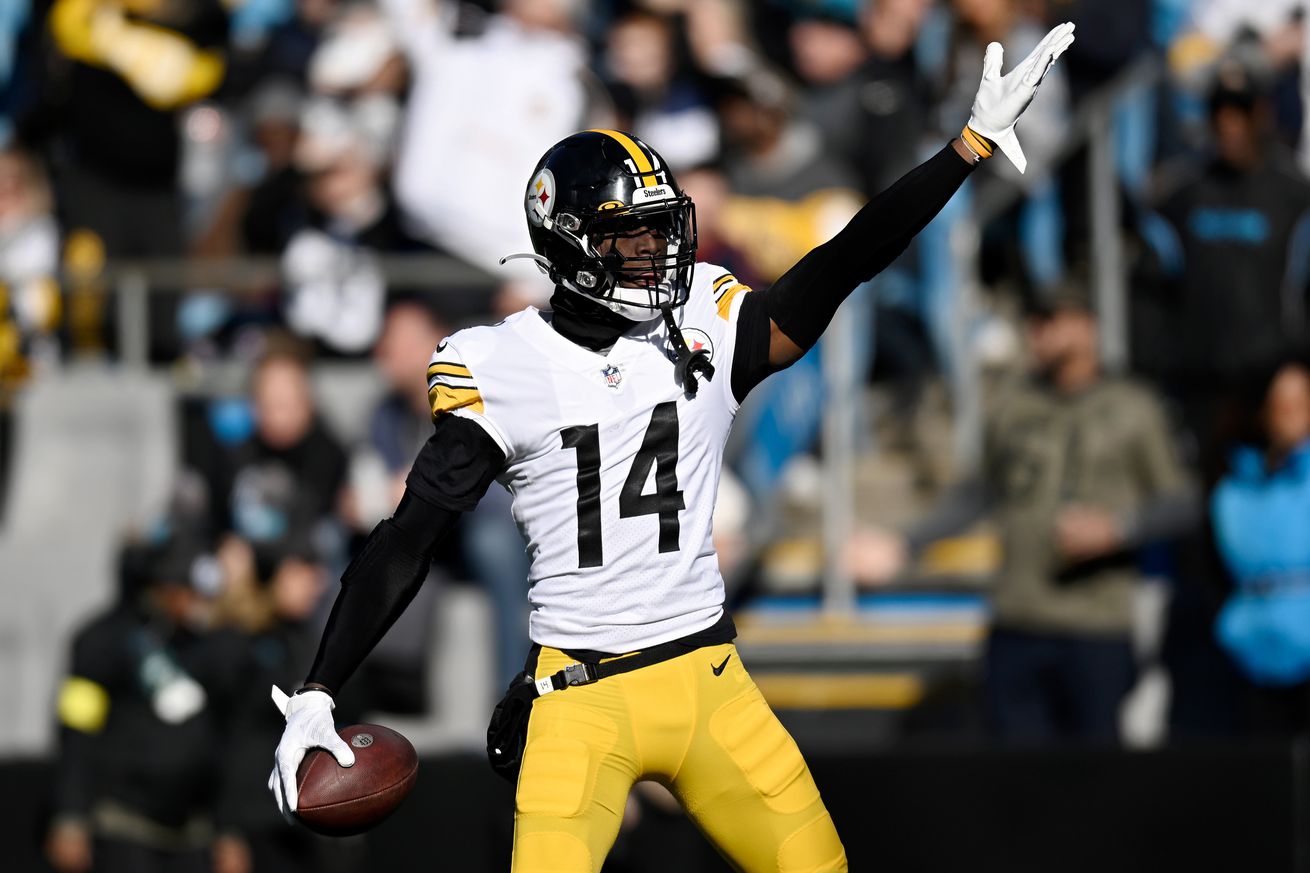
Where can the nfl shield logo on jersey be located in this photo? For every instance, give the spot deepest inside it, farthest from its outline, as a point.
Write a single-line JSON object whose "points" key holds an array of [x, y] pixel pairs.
{"points": [[612, 376]]}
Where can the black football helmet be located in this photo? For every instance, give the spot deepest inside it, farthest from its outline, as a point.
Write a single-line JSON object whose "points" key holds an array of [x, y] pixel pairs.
{"points": [[601, 185]]}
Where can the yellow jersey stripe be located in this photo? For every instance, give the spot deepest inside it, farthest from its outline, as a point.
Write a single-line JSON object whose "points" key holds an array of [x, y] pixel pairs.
{"points": [[462, 391], [639, 158], [725, 302], [444, 399], [448, 370], [721, 281]]}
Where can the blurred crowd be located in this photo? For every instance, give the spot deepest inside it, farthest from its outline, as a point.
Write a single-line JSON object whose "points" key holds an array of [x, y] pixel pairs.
{"points": [[336, 137]]}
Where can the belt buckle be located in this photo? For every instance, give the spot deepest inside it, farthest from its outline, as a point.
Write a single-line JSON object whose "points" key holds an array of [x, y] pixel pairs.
{"points": [[579, 674]]}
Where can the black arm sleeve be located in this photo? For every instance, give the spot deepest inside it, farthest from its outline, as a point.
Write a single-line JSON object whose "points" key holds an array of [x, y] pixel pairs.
{"points": [[750, 361], [456, 465], [450, 475], [805, 298]]}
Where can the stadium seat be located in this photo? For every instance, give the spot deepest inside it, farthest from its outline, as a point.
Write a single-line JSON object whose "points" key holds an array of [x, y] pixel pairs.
{"points": [[94, 457]]}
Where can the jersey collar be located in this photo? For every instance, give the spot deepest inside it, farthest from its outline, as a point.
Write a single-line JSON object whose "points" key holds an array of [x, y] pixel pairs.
{"points": [[538, 329]]}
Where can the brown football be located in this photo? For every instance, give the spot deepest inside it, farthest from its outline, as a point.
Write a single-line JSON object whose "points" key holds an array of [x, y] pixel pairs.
{"points": [[339, 801]]}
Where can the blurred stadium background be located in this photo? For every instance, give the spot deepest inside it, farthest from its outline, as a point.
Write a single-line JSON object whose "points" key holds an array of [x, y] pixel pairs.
{"points": [[232, 231]]}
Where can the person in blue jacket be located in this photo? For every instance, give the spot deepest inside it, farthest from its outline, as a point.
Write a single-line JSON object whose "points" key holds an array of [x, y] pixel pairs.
{"points": [[1261, 518]]}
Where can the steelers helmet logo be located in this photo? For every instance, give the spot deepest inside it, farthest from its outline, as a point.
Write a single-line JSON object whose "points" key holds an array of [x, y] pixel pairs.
{"points": [[541, 197]]}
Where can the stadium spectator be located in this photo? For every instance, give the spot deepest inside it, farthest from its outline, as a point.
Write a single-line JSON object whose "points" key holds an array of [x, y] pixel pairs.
{"points": [[335, 288], [1270, 34], [150, 702], [278, 490], [275, 204], [707, 185], [863, 91], [1234, 264], [359, 65], [282, 621], [132, 66], [265, 204], [29, 296], [486, 94], [768, 147], [1236, 222], [653, 97], [1259, 512], [283, 48], [718, 35], [1079, 470], [787, 193]]}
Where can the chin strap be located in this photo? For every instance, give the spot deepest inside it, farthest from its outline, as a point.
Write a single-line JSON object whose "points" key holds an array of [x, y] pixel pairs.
{"points": [[689, 363]]}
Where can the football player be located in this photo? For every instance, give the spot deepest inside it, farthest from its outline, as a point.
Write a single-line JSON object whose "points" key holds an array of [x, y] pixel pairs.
{"points": [[606, 419]]}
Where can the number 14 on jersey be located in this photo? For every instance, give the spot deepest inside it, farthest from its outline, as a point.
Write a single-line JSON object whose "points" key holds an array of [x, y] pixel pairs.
{"points": [[659, 449]]}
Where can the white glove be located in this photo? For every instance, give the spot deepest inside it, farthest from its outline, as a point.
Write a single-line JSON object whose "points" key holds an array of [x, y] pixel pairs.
{"points": [[1002, 99], [309, 726]]}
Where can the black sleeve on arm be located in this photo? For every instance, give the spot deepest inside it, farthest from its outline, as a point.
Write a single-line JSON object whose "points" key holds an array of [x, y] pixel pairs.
{"points": [[456, 465], [750, 361], [805, 298], [451, 473]]}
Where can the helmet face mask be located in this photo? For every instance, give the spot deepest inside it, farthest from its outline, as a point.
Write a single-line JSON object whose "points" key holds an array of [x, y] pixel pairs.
{"points": [[608, 221], [642, 258]]}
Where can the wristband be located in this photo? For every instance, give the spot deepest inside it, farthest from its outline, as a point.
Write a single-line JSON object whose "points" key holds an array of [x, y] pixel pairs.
{"points": [[981, 146]]}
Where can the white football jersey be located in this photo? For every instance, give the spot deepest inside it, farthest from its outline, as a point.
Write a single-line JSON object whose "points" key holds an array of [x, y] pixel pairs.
{"points": [[613, 468]]}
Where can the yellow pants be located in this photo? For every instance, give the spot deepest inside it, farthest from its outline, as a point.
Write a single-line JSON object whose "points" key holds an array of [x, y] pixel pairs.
{"points": [[710, 739]]}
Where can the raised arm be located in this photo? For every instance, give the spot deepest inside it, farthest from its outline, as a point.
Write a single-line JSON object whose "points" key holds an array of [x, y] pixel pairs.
{"points": [[803, 301]]}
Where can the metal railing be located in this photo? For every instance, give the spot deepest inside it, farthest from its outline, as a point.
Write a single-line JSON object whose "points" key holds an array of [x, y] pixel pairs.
{"points": [[1091, 126], [133, 281]]}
